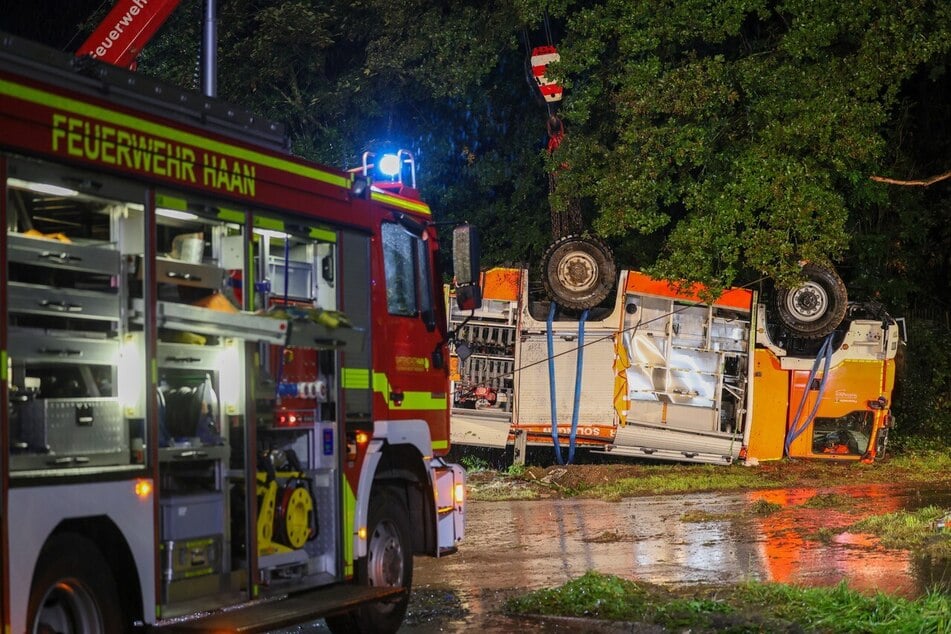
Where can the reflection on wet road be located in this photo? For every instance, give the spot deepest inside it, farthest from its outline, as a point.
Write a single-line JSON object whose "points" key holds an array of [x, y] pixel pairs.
{"points": [[512, 547]]}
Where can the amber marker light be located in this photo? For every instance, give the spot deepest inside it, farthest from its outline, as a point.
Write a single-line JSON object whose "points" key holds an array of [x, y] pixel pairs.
{"points": [[143, 489], [459, 492], [362, 533], [362, 438]]}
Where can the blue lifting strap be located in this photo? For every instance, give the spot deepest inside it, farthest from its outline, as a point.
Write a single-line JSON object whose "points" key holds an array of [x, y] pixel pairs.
{"points": [[551, 384], [825, 359], [579, 368]]}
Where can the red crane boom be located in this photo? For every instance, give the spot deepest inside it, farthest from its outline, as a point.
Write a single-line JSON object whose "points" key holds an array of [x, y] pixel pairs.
{"points": [[119, 38]]}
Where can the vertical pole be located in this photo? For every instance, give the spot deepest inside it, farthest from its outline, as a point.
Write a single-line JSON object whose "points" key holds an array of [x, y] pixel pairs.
{"points": [[209, 50], [5, 228]]}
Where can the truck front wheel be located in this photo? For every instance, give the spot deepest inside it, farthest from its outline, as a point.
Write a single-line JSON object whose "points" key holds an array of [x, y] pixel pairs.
{"points": [[388, 563], [73, 590]]}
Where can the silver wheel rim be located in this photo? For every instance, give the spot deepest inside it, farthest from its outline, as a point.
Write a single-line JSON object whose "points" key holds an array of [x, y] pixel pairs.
{"points": [[385, 553], [578, 271], [808, 302], [68, 607]]}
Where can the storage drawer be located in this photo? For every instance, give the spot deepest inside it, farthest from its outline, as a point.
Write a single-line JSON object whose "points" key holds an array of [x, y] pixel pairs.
{"points": [[73, 431], [185, 559], [190, 516], [169, 271], [186, 356], [27, 344], [62, 302], [101, 258]]}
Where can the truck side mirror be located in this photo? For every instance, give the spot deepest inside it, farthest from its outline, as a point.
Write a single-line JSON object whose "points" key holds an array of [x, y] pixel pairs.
{"points": [[465, 260]]}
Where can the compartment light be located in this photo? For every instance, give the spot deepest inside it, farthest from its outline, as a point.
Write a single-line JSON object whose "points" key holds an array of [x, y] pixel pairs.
{"points": [[42, 188], [271, 234], [131, 364], [230, 377], [175, 214]]}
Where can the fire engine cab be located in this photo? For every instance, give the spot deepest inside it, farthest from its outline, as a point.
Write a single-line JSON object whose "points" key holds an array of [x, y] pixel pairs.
{"points": [[223, 369]]}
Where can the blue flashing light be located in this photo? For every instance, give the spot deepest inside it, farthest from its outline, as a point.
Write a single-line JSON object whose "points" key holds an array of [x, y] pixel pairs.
{"points": [[389, 165]]}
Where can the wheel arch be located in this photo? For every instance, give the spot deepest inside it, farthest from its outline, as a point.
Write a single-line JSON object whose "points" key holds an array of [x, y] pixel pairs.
{"points": [[116, 552], [398, 457], [402, 468]]}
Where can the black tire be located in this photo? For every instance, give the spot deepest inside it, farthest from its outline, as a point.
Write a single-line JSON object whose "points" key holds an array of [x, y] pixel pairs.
{"points": [[73, 590], [816, 307], [389, 562], [578, 272]]}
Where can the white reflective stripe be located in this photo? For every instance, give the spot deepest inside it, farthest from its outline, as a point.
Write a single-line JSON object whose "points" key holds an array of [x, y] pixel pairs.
{"points": [[544, 60]]}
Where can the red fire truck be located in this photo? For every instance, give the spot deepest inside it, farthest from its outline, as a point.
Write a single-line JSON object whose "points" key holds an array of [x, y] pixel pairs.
{"points": [[224, 369], [656, 373]]}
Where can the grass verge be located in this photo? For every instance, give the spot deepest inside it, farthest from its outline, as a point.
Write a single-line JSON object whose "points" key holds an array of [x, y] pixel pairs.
{"points": [[748, 607], [910, 530], [620, 480]]}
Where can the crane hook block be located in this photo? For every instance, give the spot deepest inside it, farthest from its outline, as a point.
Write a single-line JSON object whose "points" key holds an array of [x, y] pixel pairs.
{"points": [[542, 56]]}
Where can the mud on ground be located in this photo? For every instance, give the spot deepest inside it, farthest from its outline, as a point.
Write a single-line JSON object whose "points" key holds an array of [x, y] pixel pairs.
{"points": [[627, 479]]}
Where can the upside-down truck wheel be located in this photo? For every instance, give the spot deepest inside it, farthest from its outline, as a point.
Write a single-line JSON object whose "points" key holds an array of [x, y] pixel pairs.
{"points": [[73, 590], [389, 563], [578, 272], [815, 307]]}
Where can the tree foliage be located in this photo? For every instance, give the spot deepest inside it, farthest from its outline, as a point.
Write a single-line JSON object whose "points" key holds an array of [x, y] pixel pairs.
{"points": [[710, 140], [742, 132]]}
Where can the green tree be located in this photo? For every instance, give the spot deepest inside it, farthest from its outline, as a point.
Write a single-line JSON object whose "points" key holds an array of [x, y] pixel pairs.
{"points": [[741, 132], [716, 140]]}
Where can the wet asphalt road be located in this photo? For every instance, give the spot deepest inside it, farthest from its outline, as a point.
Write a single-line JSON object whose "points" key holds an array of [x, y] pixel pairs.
{"points": [[518, 546]]}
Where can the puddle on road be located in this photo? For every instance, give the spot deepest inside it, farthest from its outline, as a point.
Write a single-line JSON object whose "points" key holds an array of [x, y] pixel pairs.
{"points": [[513, 547]]}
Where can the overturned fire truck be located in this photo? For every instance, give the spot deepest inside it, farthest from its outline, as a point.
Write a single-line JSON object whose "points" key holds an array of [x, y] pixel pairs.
{"points": [[656, 373]]}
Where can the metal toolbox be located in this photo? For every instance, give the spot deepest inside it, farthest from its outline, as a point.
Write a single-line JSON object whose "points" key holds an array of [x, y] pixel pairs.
{"points": [[189, 558], [185, 517], [74, 431]]}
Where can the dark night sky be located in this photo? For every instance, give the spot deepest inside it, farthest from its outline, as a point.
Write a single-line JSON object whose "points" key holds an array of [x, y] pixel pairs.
{"points": [[53, 22]]}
